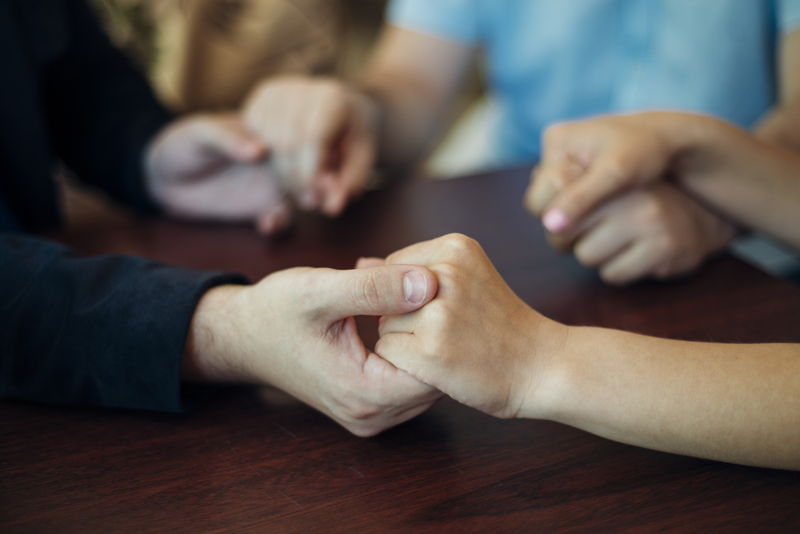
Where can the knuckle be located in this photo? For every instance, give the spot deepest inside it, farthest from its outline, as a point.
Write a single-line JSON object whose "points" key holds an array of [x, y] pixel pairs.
{"points": [[618, 169], [460, 244], [446, 272], [368, 291], [585, 255], [554, 133]]}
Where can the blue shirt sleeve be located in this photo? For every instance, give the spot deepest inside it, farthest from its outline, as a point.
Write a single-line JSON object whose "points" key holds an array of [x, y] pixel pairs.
{"points": [[455, 20], [788, 15]]}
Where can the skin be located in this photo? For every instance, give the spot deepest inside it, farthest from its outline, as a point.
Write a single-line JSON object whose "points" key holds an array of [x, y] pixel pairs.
{"points": [[212, 167], [407, 92], [295, 331], [724, 167], [780, 126], [327, 135], [652, 232], [480, 344]]}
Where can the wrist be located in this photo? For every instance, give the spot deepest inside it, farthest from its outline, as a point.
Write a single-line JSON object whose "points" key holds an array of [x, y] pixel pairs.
{"points": [[542, 373], [213, 351], [693, 141]]}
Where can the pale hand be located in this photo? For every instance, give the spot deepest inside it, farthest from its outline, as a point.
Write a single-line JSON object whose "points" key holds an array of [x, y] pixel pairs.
{"points": [[295, 331], [210, 167]]}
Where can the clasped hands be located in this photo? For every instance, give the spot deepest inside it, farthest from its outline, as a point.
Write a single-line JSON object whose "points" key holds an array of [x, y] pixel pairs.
{"points": [[449, 324]]}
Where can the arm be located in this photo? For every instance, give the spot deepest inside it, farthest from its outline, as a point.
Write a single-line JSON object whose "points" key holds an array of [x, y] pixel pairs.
{"points": [[121, 332], [295, 330], [415, 80], [730, 402], [754, 183], [107, 331], [781, 126], [736, 403], [101, 111]]}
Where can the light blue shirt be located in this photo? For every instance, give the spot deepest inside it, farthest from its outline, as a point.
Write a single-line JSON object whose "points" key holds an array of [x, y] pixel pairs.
{"points": [[552, 60]]}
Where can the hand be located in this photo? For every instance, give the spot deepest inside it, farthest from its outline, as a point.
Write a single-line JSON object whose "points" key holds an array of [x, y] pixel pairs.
{"points": [[322, 136], [295, 330], [476, 341], [585, 163], [211, 167], [655, 231]]}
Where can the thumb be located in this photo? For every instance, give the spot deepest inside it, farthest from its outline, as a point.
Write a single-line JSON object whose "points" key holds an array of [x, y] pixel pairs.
{"points": [[384, 290], [229, 136]]}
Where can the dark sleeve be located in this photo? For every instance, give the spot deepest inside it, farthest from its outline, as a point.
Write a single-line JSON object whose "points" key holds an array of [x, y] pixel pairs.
{"points": [[101, 111], [106, 331]]}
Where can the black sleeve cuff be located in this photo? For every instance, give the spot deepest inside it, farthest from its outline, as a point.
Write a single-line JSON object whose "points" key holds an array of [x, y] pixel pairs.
{"points": [[107, 331]]}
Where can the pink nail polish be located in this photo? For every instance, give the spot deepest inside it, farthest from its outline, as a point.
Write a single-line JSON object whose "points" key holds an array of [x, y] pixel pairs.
{"points": [[555, 220]]}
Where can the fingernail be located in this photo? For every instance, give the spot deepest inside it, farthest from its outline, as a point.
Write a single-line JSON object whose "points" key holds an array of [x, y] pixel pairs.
{"points": [[555, 220], [414, 287]]}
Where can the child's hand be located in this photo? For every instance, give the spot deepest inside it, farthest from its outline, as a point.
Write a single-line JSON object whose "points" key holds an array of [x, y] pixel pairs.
{"points": [[586, 163], [476, 341]]}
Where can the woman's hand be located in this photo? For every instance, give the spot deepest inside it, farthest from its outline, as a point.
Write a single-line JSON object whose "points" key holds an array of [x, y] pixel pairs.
{"points": [[476, 341]]}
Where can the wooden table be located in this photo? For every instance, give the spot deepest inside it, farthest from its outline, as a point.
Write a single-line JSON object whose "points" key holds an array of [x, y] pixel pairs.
{"points": [[247, 460]]}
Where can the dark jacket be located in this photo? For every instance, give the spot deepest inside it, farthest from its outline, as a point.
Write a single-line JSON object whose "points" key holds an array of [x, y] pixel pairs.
{"points": [[109, 330]]}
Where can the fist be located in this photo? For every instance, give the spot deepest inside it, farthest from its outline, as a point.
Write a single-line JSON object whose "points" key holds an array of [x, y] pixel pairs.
{"points": [[476, 341], [322, 135]]}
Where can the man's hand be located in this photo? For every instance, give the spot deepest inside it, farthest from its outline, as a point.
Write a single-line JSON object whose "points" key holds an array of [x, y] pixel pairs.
{"points": [[295, 330], [322, 136], [656, 231], [476, 341], [211, 167]]}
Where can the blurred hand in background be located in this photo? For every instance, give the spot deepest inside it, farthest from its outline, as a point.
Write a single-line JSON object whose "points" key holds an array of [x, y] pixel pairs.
{"points": [[212, 167]]}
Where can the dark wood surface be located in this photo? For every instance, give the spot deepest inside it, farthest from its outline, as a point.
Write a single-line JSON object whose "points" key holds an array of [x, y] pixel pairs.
{"points": [[250, 460]]}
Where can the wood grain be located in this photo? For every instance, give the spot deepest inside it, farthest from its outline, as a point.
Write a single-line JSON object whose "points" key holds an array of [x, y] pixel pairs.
{"points": [[251, 460]]}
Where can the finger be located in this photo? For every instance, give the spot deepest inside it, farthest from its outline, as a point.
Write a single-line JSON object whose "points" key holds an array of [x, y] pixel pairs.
{"points": [[398, 324], [610, 175], [230, 137], [631, 264], [275, 219], [386, 290], [402, 350], [309, 161], [332, 192], [396, 386], [564, 241], [423, 253], [602, 243], [548, 179], [366, 263], [357, 160]]}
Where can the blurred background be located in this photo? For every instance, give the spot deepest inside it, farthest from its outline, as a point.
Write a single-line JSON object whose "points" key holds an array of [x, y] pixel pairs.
{"points": [[209, 54]]}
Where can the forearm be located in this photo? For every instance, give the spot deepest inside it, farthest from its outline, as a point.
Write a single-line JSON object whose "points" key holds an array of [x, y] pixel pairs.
{"points": [[101, 112], [729, 402], [408, 123], [106, 330], [413, 79], [753, 183]]}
